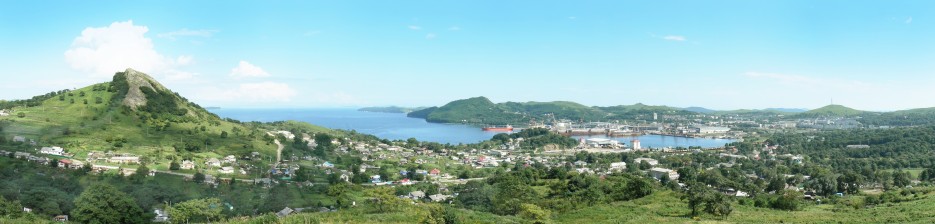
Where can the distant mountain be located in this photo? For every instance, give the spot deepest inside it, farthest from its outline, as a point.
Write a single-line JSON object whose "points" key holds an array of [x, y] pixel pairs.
{"points": [[480, 110], [832, 110], [391, 109], [700, 110], [787, 110]]}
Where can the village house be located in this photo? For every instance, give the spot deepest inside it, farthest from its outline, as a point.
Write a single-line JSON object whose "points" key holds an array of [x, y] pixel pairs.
{"points": [[439, 197], [658, 173], [21, 155], [124, 159], [435, 172], [161, 216], [19, 139], [39, 160], [127, 171], [327, 165], [652, 162], [416, 195], [5, 153], [226, 170], [187, 165], [213, 162], [230, 159], [70, 164], [54, 150], [618, 166]]}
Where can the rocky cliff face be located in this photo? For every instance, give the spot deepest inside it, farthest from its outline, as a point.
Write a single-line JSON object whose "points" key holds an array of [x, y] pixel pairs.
{"points": [[134, 79]]}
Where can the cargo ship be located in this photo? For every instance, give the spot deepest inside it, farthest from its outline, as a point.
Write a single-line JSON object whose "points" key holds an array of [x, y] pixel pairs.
{"points": [[494, 128]]}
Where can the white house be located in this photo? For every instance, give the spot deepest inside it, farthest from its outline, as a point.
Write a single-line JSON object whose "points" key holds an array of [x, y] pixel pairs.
{"points": [[54, 150], [658, 173], [230, 159], [618, 166], [226, 170], [188, 164], [124, 159], [213, 162], [652, 162]]}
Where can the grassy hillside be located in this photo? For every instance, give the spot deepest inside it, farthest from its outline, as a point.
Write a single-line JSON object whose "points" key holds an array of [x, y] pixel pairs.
{"points": [[832, 110], [135, 114]]}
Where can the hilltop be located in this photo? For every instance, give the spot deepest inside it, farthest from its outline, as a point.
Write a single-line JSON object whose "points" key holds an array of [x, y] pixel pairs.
{"points": [[832, 110], [136, 115]]}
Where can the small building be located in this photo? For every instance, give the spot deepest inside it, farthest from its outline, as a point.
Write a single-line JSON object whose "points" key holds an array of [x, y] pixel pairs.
{"points": [[439, 197], [226, 170], [230, 159], [580, 163], [124, 159], [327, 164], [19, 139], [54, 150], [61, 218], [70, 164], [635, 144], [188, 165], [652, 162], [213, 162], [658, 173], [858, 146], [21, 155], [435, 172], [161, 216], [618, 166], [417, 195], [284, 212]]}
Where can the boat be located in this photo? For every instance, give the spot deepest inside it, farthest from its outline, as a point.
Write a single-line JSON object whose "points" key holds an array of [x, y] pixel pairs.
{"points": [[494, 128]]}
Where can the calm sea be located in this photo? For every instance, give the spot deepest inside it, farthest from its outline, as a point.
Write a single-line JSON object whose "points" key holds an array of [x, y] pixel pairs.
{"points": [[398, 126]]}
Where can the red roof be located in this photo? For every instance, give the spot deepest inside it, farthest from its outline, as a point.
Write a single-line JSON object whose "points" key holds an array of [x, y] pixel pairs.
{"points": [[435, 171], [65, 161]]}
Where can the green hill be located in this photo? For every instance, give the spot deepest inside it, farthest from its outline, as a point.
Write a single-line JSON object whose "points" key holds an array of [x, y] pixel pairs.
{"points": [[134, 114], [832, 110], [480, 110]]}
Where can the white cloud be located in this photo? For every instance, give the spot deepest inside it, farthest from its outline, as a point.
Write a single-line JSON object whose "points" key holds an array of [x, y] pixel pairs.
{"points": [[909, 20], [430, 36], [674, 38], [187, 33], [247, 70], [413, 27], [102, 51], [454, 28], [250, 92]]}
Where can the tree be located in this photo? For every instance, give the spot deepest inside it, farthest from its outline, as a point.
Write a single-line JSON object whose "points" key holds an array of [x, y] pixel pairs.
{"points": [[197, 210], [140, 175], [534, 213], [718, 204], [21, 115], [638, 188], [104, 204], [98, 100], [10, 209], [901, 179], [696, 195], [223, 134], [199, 177], [384, 199], [645, 165], [175, 166]]}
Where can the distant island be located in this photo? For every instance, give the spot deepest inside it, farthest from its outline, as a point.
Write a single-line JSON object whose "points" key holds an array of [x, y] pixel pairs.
{"points": [[391, 109]]}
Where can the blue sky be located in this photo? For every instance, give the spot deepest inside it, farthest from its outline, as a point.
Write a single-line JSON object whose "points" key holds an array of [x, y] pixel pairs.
{"points": [[872, 55]]}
